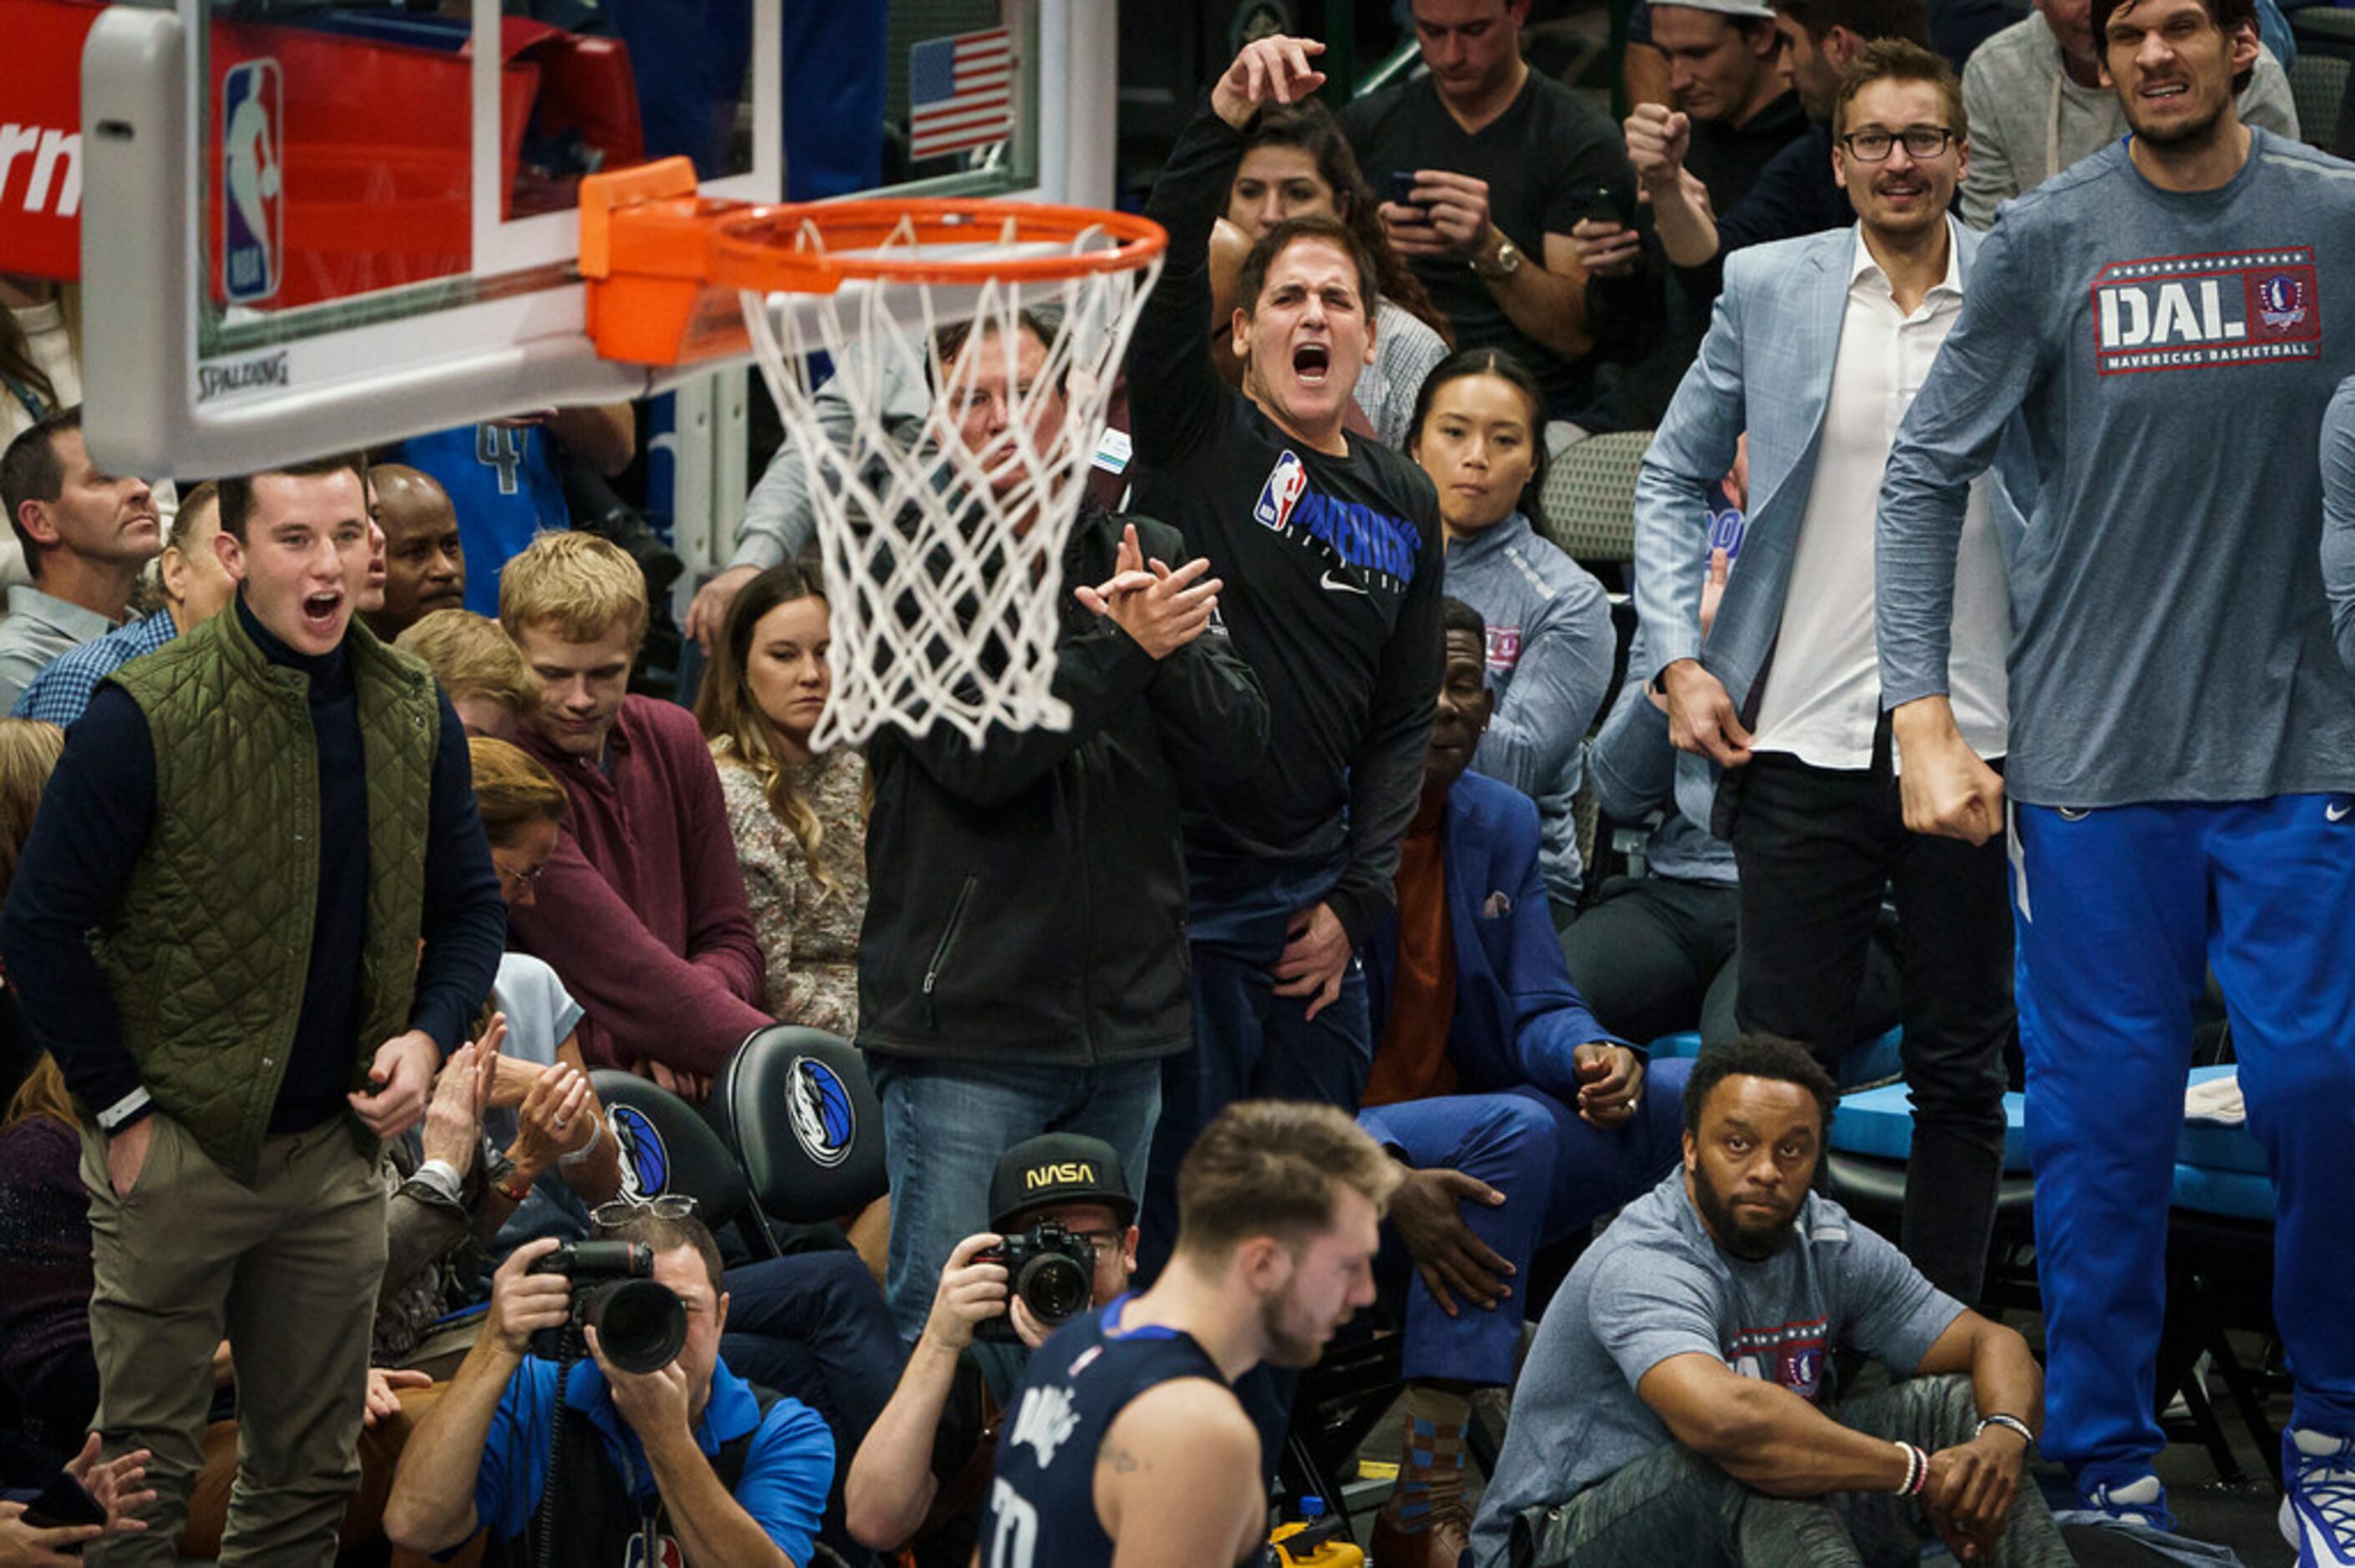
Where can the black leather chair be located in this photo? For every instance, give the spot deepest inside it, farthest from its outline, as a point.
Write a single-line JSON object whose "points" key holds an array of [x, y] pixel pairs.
{"points": [[668, 1147], [805, 1124]]}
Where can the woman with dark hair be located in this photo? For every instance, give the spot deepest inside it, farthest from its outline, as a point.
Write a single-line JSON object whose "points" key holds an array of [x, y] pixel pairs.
{"points": [[1296, 163], [1479, 432], [801, 834]]}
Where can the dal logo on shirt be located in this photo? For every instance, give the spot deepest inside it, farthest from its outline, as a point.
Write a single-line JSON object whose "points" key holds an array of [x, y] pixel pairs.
{"points": [[1791, 1354], [2175, 312], [1504, 647]]}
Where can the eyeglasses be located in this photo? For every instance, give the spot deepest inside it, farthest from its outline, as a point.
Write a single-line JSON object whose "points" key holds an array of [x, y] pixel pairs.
{"points": [[1921, 142], [622, 1210], [525, 881]]}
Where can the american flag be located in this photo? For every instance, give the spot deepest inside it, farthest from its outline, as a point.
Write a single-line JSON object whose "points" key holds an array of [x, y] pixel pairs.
{"points": [[960, 93]]}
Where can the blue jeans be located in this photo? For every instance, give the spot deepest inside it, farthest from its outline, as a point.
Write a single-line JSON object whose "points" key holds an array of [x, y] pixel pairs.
{"points": [[1558, 1175], [1249, 1043], [947, 1123], [2120, 914]]}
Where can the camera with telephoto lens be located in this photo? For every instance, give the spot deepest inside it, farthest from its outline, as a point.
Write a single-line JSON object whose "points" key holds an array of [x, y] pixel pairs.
{"points": [[640, 1327], [1053, 1270]]}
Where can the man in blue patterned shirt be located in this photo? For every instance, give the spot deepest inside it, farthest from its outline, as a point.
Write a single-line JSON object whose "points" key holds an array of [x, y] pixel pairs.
{"points": [[195, 587]]}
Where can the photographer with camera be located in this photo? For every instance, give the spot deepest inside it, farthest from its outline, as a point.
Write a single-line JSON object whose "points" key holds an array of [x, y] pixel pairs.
{"points": [[1064, 1242], [563, 1459]]}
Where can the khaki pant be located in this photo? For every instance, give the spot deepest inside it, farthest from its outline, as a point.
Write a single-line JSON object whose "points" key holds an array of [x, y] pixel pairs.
{"points": [[286, 1270]]}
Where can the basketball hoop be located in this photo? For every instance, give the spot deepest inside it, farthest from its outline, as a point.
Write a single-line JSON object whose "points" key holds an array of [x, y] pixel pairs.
{"points": [[943, 564]]}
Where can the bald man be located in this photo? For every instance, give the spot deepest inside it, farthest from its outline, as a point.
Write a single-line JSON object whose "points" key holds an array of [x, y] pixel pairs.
{"points": [[425, 567]]}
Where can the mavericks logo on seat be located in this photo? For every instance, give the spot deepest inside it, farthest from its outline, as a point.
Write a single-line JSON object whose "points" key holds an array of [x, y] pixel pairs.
{"points": [[645, 1163], [817, 1102]]}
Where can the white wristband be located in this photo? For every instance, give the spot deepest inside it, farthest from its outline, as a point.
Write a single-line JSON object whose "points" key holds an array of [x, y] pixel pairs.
{"points": [[124, 1109], [596, 1131]]}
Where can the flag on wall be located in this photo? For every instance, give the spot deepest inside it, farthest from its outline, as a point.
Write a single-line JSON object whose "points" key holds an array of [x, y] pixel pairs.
{"points": [[960, 93]]}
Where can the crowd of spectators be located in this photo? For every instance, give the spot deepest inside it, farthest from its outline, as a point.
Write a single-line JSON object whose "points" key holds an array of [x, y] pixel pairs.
{"points": [[333, 879]]}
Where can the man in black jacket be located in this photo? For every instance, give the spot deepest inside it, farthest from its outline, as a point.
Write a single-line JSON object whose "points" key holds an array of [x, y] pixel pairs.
{"points": [[1023, 965]]}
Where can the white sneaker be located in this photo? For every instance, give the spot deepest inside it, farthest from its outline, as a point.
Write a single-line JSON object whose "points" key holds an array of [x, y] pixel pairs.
{"points": [[2142, 1500], [2317, 1515]]}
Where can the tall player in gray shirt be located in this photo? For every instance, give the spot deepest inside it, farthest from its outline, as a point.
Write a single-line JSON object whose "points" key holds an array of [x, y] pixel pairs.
{"points": [[2171, 315]]}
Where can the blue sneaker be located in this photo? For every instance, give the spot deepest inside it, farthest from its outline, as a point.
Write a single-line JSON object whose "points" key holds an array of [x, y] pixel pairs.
{"points": [[2318, 1516], [2141, 1502]]}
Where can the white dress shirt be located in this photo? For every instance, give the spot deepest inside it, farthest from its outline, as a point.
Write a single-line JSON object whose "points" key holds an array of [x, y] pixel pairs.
{"points": [[1822, 699]]}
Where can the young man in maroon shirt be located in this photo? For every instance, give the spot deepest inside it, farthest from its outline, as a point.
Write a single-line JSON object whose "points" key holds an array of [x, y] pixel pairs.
{"points": [[641, 909]]}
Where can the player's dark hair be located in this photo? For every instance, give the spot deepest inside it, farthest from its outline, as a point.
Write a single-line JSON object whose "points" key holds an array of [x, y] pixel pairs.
{"points": [[1759, 1057], [30, 472], [237, 492], [1309, 126], [2229, 17], [1506, 367], [1895, 60], [1454, 615], [660, 1234], [1251, 280], [1868, 19]]}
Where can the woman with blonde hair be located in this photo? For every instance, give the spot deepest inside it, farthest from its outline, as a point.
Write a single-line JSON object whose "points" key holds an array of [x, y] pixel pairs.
{"points": [[800, 833], [479, 665]]}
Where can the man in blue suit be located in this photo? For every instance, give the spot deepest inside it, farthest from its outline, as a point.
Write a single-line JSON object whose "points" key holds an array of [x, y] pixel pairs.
{"points": [[1816, 350], [1520, 1119]]}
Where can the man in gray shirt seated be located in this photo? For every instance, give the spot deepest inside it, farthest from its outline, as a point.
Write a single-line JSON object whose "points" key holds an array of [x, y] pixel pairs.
{"points": [[2038, 103], [1677, 1406], [87, 535]]}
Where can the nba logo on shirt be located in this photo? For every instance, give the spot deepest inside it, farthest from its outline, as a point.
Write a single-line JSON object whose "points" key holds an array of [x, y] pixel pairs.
{"points": [[1282, 492], [251, 183]]}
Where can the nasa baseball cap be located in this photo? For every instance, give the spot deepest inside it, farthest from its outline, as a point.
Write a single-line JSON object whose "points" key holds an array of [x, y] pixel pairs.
{"points": [[1058, 1167]]}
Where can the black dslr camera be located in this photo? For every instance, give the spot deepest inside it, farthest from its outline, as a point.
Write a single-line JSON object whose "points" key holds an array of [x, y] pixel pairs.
{"points": [[641, 1326], [1053, 1271]]}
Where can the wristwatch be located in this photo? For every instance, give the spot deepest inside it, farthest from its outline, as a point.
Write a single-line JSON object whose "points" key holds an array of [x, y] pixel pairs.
{"points": [[1504, 264]]}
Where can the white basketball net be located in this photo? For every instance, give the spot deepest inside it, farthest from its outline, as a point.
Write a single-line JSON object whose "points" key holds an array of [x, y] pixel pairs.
{"points": [[943, 563]]}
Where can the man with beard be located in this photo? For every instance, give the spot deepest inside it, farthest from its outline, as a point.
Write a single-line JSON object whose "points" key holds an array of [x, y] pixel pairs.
{"points": [[1816, 347], [1126, 1437], [1677, 1406], [2171, 315]]}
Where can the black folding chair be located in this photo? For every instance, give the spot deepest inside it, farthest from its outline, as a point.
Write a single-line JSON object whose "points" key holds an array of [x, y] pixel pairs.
{"points": [[668, 1147]]}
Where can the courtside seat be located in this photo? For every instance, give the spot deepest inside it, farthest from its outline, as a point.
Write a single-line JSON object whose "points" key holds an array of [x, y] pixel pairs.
{"points": [[796, 1105], [668, 1147], [1865, 1170], [1876, 1061]]}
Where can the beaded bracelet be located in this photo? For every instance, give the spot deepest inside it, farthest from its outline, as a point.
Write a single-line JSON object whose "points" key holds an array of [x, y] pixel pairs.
{"points": [[1917, 1470]]}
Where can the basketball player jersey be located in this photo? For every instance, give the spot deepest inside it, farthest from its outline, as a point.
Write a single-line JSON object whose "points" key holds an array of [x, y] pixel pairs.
{"points": [[1041, 1511], [502, 482]]}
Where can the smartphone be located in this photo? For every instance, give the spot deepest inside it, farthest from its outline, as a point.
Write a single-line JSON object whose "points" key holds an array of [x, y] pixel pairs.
{"points": [[1606, 202], [63, 1503], [1403, 189]]}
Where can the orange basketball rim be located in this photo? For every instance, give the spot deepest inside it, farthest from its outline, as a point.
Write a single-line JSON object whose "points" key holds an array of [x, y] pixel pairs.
{"points": [[666, 267]]}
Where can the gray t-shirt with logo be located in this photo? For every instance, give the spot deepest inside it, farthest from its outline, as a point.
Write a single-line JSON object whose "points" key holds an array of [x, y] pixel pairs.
{"points": [[2173, 353], [1655, 1286]]}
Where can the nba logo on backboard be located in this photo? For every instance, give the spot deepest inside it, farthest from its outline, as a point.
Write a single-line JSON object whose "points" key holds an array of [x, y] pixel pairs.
{"points": [[1284, 482], [251, 183]]}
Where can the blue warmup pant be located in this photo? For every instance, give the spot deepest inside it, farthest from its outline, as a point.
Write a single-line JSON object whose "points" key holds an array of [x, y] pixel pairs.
{"points": [[2119, 912], [1558, 1175], [1249, 1043]]}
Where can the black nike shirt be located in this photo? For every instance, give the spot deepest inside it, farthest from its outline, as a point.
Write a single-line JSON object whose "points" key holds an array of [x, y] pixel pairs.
{"points": [[1332, 567]]}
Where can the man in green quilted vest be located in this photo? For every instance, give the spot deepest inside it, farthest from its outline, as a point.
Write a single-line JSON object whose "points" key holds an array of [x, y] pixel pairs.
{"points": [[256, 911]]}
